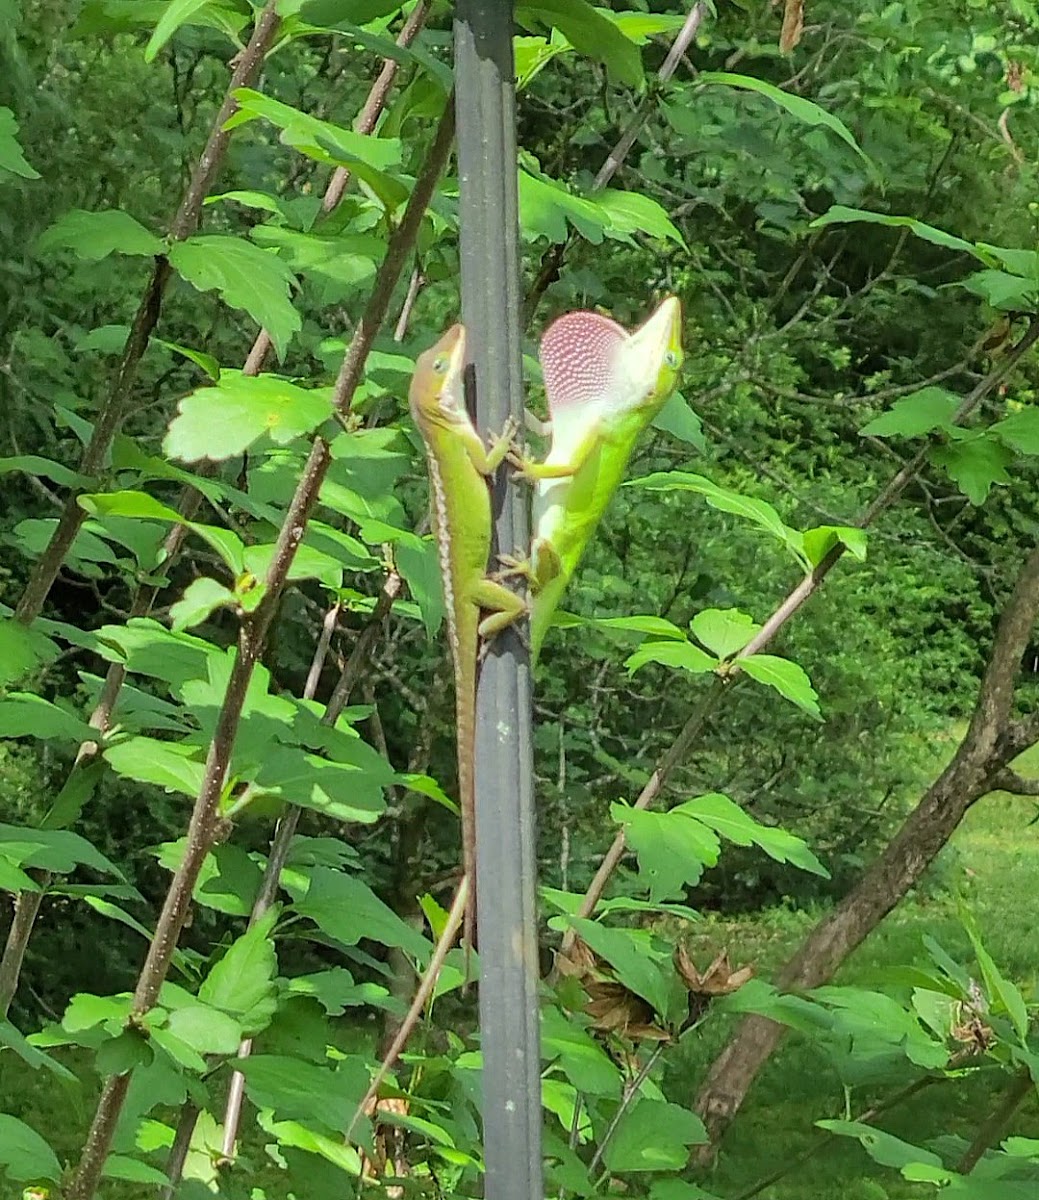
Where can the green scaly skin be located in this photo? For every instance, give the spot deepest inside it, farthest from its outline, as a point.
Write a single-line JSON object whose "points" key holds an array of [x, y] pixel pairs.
{"points": [[459, 466], [583, 469]]}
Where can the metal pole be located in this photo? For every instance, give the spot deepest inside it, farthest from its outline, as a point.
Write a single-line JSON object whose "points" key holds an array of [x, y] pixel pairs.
{"points": [[506, 914]]}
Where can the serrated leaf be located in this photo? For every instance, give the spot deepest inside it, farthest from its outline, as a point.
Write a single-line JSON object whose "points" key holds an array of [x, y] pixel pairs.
{"points": [[223, 421], [591, 34], [547, 208], [369, 157], [738, 826], [1019, 431], [912, 416], [1002, 291], [206, 1030], [631, 954], [789, 679], [724, 631], [177, 12], [580, 1057], [295, 1089], [246, 277], [242, 984], [12, 159], [202, 597], [974, 465], [169, 765], [682, 655], [672, 849], [95, 235], [348, 910], [806, 111]]}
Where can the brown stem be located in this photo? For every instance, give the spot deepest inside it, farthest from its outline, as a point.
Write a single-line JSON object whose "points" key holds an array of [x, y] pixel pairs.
{"points": [[972, 773], [204, 826], [995, 1124], [553, 260], [793, 603], [184, 224], [425, 990], [189, 1114]]}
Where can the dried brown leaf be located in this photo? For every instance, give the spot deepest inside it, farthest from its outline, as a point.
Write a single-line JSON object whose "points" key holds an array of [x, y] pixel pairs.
{"points": [[793, 25]]}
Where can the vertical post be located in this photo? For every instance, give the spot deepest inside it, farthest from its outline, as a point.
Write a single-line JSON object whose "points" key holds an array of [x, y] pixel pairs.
{"points": [[506, 915]]}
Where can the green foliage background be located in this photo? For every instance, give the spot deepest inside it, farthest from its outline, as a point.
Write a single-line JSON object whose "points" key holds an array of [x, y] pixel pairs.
{"points": [[798, 335]]}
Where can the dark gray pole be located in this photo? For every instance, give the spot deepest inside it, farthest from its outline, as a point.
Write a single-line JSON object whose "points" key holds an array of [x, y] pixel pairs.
{"points": [[506, 915]]}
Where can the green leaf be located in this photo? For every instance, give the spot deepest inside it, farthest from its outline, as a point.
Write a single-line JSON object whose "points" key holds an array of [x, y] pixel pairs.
{"points": [[679, 420], [202, 597], [26, 715], [974, 465], [839, 214], [724, 631], [24, 1155], [882, 1147], [206, 1029], [87, 1011], [242, 982], [1003, 994], [633, 212], [547, 207], [292, 1133], [29, 1054], [173, 766], [223, 421], [246, 277], [228, 881], [806, 111], [681, 655], [749, 508], [929, 408], [58, 850], [735, 824], [591, 34], [1019, 431], [22, 649], [654, 1135], [121, 1166], [205, 362], [95, 235], [32, 464], [820, 541], [368, 156], [580, 1057], [11, 157], [348, 910], [1003, 291], [177, 12], [297, 1090], [630, 952], [672, 850], [786, 677]]}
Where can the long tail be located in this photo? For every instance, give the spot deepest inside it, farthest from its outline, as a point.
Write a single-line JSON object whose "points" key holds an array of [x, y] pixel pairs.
{"points": [[465, 723]]}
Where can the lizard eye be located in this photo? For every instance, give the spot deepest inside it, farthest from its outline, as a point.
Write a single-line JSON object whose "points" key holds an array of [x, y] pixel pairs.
{"points": [[671, 359], [440, 364]]}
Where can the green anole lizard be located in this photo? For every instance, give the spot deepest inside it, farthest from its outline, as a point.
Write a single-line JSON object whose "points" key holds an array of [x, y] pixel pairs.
{"points": [[604, 386], [459, 467]]}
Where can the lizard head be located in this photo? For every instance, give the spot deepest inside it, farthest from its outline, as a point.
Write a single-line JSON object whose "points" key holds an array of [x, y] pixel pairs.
{"points": [[437, 395], [653, 355]]}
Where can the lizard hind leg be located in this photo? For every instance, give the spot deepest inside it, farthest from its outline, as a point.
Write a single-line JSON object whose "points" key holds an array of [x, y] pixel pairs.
{"points": [[504, 607]]}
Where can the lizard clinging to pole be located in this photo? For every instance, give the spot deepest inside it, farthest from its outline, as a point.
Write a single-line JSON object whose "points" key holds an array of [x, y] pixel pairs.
{"points": [[604, 386], [459, 467]]}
